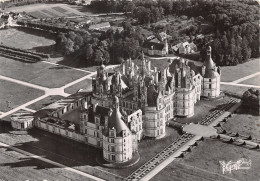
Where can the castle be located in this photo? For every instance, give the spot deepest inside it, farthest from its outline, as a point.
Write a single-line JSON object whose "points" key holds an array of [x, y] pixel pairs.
{"points": [[134, 101]]}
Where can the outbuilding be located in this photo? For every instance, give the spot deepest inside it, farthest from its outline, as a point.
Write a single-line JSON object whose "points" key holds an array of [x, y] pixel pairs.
{"points": [[22, 120]]}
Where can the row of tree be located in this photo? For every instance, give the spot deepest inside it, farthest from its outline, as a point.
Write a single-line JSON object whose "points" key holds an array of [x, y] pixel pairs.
{"points": [[235, 46], [111, 47]]}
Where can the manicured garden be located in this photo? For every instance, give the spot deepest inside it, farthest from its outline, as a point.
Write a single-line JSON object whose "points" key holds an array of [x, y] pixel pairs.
{"points": [[22, 39], [252, 81], [47, 10], [16, 166], [40, 73], [235, 90], [202, 108], [203, 163], [16, 95], [85, 84], [244, 123], [44, 102], [232, 73]]}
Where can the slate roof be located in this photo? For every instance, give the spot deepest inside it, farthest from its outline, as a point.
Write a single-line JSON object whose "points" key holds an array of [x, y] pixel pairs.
{"points": [[21, 116], [156, 46], [101, 111], [152, 95], [116, 121]]}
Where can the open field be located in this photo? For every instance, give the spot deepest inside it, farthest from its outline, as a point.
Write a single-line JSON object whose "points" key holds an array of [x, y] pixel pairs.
{"points": [[252, 81], [16, 94], [55, 148], [15, 166], [203, 164], [39, 73], [238, 90], [85, 84], [202, 109], [47, 10], [243, 123], [63, 150], [232, 73], [44, 102], [22, 39]]}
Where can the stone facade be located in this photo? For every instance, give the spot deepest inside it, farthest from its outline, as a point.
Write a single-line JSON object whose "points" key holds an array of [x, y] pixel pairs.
{"points": [[211, 77], [160, 94], [116, 133], [148, 98]]}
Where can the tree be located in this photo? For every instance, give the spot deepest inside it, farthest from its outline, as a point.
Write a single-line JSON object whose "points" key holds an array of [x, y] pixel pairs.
{"points": [[98, 57], [128, 29], [89, 54], [69, 47], [245, 50], [224, 41]]}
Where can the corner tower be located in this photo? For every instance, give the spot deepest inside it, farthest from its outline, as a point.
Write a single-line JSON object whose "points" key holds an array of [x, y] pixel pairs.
{"points": [[211, 77]]}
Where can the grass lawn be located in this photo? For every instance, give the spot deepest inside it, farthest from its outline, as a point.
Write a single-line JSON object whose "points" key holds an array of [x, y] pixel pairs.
{"points": [[203, 164], [16, 166], [243, 123], [22, 39], [202, 109], [47, 10], [17, 95], [44, 102], [232, 73], [39, 73], [55, 148], [86, 84], [238, 90], [252, 81]]}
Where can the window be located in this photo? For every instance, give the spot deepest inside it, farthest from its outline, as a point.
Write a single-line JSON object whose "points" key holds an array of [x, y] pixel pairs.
{"points": [[112, 133], [112, 148], [113, 157], [22, 125], [209, 86], [112, 140], [209, 80]]}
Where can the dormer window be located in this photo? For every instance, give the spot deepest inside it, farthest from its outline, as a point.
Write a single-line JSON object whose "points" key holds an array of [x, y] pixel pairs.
{"points": [[124, 133], [112, 133]]}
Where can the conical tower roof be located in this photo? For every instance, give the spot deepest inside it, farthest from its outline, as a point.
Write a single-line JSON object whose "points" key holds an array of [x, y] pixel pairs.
{"points": [[209, 63], [115, 121]]}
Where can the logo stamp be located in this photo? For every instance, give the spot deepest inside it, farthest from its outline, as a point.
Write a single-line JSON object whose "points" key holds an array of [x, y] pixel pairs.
{"points": [[242, 164]]}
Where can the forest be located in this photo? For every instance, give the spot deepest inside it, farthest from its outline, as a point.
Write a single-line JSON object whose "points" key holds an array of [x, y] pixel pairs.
{"points": [[235, 40]]}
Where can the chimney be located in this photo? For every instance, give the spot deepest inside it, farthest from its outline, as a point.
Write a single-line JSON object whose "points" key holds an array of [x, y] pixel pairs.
{"points": [[95, 107], [156, 77], [203, 70], [149, 66], [123, 68]]}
